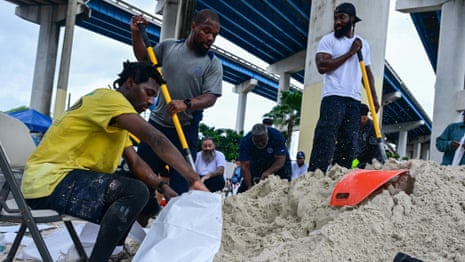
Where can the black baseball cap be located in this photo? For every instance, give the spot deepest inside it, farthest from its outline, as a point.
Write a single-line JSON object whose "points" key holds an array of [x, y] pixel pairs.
{"points": [[347, 8]]}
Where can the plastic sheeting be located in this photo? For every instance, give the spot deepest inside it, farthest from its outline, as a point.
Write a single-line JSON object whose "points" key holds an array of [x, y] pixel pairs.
{"points": [[188, 229], [33, 119]]}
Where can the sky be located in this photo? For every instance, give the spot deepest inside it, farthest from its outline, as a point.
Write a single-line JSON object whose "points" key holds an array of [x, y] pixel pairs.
{"points": [[96, 61]]}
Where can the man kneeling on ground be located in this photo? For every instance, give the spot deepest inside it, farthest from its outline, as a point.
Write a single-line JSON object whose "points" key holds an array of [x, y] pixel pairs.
{"points": [[73, 169], [263, 152]]}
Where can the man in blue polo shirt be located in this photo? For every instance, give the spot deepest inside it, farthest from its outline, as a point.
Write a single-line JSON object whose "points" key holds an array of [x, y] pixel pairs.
{"points": [[263, 152], [452, 143]]}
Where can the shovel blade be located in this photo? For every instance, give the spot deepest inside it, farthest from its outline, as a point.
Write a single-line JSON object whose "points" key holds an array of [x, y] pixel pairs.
{"points": [[356, 186]]}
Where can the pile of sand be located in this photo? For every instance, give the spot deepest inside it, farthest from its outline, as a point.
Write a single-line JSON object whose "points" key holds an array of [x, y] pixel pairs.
{"points": [[281, 221]]}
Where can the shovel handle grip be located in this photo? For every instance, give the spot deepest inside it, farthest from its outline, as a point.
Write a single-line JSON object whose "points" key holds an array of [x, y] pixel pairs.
{"points": [[359, 55], [148, 46]]}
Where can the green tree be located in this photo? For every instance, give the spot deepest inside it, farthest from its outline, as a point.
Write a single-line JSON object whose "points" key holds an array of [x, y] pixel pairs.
{"points": [[226, 140], [286, 115], [16, 109]]}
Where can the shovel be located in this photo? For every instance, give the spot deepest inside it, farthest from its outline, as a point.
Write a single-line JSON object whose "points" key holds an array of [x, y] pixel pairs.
{"points": [[357, 185], [371, 105], [166, 95]]}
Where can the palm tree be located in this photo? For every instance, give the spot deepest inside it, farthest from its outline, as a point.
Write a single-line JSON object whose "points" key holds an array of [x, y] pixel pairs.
{"points": [[286, 115]]}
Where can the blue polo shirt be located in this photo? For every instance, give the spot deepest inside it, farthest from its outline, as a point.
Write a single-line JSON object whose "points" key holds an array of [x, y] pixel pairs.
{"points": [[262, 159], [453, 132]]}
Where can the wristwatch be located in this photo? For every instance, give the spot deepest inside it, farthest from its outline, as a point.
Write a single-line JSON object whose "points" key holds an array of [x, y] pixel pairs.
{"points": [[188, 103]]}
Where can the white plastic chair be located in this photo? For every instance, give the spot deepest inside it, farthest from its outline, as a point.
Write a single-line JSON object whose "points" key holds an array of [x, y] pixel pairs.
{"points": [[16, 145]]}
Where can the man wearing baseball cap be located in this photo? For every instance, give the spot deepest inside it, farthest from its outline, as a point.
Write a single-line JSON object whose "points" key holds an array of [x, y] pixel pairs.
{"points": [[452, 143], [299, 167], [339, 120], [368, 148]]}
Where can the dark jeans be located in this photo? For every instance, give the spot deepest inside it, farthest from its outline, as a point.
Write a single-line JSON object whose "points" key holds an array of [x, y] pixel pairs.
{"points": [[177, 182], [336, 133], [215, 183], [113, 201]]}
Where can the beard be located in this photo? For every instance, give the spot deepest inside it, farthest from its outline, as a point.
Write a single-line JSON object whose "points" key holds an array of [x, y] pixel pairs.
{"points": [[343, 31], [208, 156]]}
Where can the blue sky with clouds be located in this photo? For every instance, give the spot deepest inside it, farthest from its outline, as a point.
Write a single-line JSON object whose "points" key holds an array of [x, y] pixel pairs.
{"points": [[96, 61]]}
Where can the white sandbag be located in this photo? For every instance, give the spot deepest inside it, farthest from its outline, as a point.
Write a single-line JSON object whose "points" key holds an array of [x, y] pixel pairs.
{"points": [[188, 229]]}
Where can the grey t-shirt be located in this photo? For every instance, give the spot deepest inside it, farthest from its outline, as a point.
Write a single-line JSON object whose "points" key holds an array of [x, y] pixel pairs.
{"points": [[187, 75]]}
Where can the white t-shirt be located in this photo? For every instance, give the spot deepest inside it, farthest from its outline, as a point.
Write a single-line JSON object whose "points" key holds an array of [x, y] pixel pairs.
{"points": [[204, 168], [298, 171], [346, 80]]}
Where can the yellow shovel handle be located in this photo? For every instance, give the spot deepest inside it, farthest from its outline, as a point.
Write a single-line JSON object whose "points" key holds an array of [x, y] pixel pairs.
{"points": [[371, 104], [166, 95]]}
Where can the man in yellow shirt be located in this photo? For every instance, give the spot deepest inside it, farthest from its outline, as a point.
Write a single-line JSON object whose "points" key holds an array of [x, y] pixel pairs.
{"points": [[72, 170]]}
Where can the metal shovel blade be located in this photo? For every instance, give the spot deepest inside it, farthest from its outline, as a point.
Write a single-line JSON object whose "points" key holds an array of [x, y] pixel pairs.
{"points": [[356, 186]]}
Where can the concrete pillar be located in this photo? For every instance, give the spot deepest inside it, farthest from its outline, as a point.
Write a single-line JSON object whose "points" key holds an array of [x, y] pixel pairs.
{"points": [[373, 28], [63, 76], [242, 89], [417, 150], [284, 82], [450, 70], [185, 16], [402, 143], [47, 46], [170, 14]]}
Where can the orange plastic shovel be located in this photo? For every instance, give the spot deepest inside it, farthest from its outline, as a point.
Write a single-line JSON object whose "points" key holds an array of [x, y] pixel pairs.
{"points": [[356, 186]]}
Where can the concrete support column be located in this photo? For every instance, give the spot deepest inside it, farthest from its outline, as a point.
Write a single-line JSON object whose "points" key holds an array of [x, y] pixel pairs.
{"points": [[402, 144], [450, 70], [63, 76], [184, 20], [170, 14], [242, 89], [240, 115], [373, 28], [284, 82], [417, 150], [45, 63]]}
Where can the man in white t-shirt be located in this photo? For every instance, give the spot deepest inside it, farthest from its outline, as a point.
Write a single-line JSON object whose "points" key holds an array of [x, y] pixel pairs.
{"points": [[299, 167], [336, 133], [210, 164]]}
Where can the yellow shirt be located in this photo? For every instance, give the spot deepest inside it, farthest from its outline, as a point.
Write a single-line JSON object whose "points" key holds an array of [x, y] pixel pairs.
{"points": [[81, 139]]}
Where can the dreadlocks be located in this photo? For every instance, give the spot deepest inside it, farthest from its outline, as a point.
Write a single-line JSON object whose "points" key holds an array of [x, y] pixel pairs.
{"points": [[140, 72]]}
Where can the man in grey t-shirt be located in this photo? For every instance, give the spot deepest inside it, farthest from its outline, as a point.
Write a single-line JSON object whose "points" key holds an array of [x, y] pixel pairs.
{"points": [[194, 78]]}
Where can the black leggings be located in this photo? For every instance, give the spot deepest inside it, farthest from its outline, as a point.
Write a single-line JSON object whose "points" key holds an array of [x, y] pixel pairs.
{"points": [[123, 200]]}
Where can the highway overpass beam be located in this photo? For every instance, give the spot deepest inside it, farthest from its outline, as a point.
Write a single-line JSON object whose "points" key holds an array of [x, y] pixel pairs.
{"points": [[410, 6], [451, 62], [402, 126], [391, 97], [292, 64], [286, 67], [243, 89]]}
